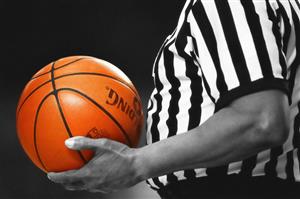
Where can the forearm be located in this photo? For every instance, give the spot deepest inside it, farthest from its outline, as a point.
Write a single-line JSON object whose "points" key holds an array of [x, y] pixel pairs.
{"points": [[226, 137]]}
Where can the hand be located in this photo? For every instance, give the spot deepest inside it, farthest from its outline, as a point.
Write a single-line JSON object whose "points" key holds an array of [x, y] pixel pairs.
{"points": [[113, 167]]}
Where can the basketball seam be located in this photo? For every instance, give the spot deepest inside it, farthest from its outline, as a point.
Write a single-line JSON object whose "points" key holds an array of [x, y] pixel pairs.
{"points": [[31, 94], [75, 74], [103, 110], [35, 131], [98, 74], [62, 66], [55, 92]]}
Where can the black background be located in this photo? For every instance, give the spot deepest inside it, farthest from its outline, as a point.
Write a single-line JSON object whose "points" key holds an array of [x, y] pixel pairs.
{"points": [[34, 33]]}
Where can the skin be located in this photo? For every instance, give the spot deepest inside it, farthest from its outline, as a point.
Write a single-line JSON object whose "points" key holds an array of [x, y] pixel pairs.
{"points": [[247, 126]]}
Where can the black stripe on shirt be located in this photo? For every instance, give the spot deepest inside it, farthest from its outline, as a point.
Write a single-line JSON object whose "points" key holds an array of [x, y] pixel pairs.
{"points": [[287, 26], [196, 51], [258, 38], [211, 42], [150, 107], [173, 109], [270, 166], [196, 85], [192, 73], [175, 96], [248, 165], [298, 4], [205, 83], [296, 137], [155, 117], [174, 91], [233, 43], [294, 66], [276, 32], [252, 87], [289, 168], [195, 54]]}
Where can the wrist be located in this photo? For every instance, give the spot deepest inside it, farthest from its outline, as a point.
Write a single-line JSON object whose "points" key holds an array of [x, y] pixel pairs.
{"points": [[140, 165]]}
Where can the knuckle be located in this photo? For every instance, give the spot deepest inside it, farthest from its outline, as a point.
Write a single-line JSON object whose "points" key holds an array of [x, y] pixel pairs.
{"points": [[103, 141], [82, 141], [88, 142]]}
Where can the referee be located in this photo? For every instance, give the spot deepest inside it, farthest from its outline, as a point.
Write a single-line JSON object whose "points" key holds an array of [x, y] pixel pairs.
{"points": [[224, 116], [234, 62]]}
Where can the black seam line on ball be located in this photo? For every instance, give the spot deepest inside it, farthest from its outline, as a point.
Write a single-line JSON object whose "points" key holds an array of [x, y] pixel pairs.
{"points": [[75, 74], [99, 74], [33, 91], [62, 66], [102, 109], [35, 130], [55, 92]]}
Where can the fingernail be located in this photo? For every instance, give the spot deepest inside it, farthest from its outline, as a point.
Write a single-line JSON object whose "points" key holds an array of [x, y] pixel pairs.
{"points": [[69, 143]]}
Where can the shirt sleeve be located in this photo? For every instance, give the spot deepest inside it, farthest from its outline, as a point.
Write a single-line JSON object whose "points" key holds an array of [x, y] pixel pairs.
{"points": [[239, 48]]}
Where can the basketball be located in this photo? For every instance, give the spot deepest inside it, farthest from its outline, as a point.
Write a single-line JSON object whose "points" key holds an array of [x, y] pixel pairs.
{"points": [[76, 96]]}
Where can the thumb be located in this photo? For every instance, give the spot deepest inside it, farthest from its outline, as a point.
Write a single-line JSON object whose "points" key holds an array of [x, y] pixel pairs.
{"points": [[80, 143]]}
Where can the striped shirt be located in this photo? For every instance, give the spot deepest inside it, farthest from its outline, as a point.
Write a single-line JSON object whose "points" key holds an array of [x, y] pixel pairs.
{"points": [[222, 50]]}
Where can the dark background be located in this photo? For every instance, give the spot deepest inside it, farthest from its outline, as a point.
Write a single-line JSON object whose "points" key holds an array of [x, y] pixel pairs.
{"points": [[34, 33]]}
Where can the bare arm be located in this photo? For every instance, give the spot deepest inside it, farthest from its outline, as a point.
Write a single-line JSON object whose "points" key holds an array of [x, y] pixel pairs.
{"points": [[249, 125]]}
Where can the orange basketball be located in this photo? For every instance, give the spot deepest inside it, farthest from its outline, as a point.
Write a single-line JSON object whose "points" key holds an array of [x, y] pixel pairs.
{"points": [[76, 96]]}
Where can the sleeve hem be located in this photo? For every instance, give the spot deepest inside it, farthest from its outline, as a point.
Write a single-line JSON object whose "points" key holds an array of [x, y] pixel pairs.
{"points": [[253, 87]]}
